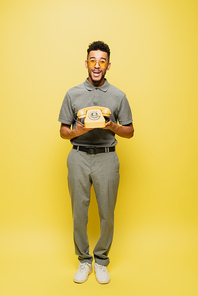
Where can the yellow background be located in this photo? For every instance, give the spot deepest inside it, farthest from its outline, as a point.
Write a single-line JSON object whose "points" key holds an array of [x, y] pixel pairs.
{"points": [[154, 61]]}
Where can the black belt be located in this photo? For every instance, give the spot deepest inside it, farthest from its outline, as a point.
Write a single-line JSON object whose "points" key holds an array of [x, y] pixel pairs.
{"points": [[94, 150]]}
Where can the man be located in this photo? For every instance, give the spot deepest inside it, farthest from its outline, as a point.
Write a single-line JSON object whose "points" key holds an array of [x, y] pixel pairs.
{"points": [[93, 159]]}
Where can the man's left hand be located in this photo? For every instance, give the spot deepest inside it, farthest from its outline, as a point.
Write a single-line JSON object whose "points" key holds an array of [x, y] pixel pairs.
{"points": [[125, 131], [109, 125]]}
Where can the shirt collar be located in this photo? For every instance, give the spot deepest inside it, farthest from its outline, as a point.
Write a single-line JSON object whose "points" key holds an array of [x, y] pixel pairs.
{"points": [[90, 86]]}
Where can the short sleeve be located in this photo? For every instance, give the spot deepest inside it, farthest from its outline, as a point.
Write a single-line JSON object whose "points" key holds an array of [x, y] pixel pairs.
{"points": [[124, 114], [66, 114]]}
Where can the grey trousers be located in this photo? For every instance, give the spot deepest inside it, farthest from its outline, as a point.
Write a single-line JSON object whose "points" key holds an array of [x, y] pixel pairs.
{"points": [[101, 170]]}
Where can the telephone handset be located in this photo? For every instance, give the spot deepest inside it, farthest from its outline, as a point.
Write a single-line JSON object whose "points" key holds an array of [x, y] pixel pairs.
{"points": [[94, 117]]}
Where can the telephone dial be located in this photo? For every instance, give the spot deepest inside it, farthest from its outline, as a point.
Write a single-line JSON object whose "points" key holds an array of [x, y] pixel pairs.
{"points": [[94, 117]]}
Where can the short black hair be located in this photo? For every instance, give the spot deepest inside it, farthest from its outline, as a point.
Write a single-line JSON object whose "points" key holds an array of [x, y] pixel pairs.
{"points": [[99, 45]]}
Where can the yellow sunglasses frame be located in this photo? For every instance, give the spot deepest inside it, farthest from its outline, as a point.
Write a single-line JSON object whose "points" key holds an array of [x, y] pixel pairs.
{"points": [[104, 63]]}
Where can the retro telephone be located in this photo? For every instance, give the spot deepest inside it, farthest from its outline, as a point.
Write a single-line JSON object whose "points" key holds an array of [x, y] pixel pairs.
{"points": [[94, 117]]}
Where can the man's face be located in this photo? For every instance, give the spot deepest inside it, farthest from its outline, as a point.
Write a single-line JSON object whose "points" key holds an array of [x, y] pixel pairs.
{"points": [[97, 72]]}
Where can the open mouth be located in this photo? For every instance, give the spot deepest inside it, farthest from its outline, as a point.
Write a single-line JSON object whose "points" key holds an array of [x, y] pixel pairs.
{"points": [[96, 73]]}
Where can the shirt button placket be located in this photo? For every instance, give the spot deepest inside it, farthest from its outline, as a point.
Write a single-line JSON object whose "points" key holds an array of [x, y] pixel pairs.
{"points": [[96, 96]]}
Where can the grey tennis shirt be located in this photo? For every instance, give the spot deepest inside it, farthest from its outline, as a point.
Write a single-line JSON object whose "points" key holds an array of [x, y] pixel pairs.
{"points": [[86, 95]]}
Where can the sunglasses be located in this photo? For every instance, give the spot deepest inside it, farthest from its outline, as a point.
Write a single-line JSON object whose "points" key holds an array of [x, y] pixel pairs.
{"points": [[93, 62]]}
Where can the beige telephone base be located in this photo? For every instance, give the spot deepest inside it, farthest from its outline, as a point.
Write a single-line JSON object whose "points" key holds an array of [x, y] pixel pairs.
{"points": [[94, 116]]}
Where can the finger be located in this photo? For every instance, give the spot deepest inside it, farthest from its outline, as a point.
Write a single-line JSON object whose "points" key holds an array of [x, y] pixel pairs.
{"points": [[78, 122]]}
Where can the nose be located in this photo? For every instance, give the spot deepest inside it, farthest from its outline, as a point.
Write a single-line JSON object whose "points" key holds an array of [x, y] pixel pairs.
{"points": [[97, 64]]}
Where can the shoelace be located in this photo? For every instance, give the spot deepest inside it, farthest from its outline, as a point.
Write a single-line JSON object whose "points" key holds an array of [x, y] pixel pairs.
{"points": [[83, 267], [102, 269]]}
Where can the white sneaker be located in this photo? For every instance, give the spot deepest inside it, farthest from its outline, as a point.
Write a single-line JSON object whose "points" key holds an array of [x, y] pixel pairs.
{"points": [[102, 275], [82, 273]]}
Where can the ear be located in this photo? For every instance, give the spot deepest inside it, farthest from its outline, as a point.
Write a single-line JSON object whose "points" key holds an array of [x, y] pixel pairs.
{"points": [[109, 66], [86, 64]]}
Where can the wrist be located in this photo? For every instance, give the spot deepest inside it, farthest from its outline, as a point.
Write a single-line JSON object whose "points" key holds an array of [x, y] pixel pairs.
{"points": [[113, 127]]}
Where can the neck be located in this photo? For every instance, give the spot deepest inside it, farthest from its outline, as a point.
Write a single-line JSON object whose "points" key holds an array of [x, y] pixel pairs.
{"points": [[96, 83]]}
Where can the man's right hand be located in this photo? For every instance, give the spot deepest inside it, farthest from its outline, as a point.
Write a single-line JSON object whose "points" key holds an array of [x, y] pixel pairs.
{"points": [[67, 133], [80, 129]]}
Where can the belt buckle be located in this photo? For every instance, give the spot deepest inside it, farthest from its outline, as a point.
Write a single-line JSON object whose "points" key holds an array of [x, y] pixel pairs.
{"points": [[91, 150]]}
